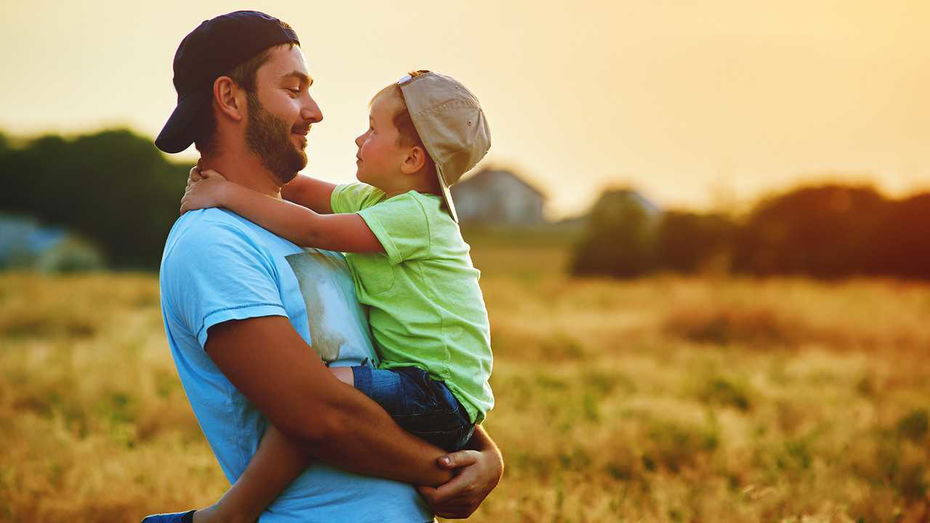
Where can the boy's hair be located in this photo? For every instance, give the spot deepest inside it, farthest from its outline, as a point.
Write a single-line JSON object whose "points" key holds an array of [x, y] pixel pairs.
{"points": [[244, 76], [407, 134]]}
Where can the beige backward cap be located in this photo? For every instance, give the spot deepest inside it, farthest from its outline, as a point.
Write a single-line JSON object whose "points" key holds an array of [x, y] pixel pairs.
{"points": [[451, 124]]}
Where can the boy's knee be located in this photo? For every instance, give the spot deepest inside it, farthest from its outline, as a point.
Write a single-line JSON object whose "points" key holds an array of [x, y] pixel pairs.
{"points": [[344, 374]]}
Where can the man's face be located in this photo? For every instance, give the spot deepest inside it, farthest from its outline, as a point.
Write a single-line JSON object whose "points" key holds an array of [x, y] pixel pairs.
{"points": [[281, 112]]}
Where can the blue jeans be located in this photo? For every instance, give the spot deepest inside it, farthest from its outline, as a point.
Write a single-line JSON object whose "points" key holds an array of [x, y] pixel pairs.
{"points": [[421, 405]]}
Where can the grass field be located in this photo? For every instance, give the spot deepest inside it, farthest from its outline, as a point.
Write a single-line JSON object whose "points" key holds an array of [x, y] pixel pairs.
{"points": [[661, 399]]}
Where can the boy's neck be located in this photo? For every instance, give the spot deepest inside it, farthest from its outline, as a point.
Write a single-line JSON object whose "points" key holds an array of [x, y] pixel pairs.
{"points": [[422, 182]]}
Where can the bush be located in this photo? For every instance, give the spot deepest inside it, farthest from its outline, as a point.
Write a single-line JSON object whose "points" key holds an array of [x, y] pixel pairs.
{"points": [[620, 239]]}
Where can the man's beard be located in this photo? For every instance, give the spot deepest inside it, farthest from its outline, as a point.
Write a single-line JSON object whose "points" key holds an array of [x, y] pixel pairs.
{"points": [[269, 137]]}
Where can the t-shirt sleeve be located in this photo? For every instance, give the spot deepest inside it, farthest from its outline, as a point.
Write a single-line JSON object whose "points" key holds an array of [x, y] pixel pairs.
{"points": [[354, 197], [401, 224], [215, 273]]}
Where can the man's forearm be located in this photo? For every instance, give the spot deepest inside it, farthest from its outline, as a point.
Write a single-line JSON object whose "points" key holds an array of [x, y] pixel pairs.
{"points": [[364, 439], [481, 442], [332, 421]]}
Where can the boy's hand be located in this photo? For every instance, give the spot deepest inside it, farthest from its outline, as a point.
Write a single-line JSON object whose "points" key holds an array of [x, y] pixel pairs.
{"points": [[208, 191], [477, 473], [193, 177]]}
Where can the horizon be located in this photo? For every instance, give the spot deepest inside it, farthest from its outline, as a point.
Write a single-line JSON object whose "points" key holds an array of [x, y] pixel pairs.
{"points": [[695, 106], [720, 203]]}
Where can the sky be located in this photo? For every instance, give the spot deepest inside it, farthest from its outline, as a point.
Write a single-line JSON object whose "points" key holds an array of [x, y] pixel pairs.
{"points": [[699, 104]]}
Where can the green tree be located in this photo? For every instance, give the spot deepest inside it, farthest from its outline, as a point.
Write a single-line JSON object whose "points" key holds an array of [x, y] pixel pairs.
{"points": [[113, 188], [620, 239], [819, 231], [690, 242]]}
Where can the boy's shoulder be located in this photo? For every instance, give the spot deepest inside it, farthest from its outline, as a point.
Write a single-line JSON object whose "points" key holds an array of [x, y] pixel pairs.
{"points": [[412, 205], [353, 197]]}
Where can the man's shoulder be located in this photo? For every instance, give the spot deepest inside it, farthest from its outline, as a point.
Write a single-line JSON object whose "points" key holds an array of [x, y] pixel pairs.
{"points": [[209, 236], [204, 222], [211, 227]]}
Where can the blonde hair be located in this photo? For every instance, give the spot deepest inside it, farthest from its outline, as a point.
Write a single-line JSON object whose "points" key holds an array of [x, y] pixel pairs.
{"points": [[407, 134]]}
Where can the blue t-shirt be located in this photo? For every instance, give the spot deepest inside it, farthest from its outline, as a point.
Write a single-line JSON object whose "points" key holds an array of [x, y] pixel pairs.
{"points": [[217, 267]]}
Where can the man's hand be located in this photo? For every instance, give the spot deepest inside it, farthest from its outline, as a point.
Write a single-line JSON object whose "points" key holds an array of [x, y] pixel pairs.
{"points": [[476, 475], [207, 191]]}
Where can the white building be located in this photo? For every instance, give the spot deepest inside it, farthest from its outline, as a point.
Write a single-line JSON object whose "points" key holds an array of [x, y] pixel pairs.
{"points": [[498, 197]]}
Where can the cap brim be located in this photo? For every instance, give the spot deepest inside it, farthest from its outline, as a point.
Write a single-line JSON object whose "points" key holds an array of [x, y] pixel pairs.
{"points": [[178, 132], [447, 195]]}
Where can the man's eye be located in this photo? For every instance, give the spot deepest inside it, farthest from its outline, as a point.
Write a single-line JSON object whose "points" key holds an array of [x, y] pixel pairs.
{"points": [[295, 92]]}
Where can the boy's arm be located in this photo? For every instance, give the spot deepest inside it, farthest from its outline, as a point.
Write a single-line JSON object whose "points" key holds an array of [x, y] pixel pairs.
{"points": [[311, 193], [302, 226]]}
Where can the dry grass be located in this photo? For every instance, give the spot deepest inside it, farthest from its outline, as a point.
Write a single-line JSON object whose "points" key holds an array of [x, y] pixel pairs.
{"points": [[663, 399]]}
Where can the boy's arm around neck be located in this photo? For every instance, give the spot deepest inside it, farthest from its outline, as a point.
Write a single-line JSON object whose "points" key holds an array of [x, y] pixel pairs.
{"points": [[311, 193], [301, 225]]}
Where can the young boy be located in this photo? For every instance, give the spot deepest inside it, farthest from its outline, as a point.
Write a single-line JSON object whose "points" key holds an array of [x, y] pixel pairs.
{"points": [[410, 264]]}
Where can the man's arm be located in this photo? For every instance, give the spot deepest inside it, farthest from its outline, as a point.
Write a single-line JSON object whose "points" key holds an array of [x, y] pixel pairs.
{"points": [[310, 192], [270, 364]]}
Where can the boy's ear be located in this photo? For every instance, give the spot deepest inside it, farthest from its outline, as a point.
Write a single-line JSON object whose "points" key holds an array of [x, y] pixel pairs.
{"points": [[229, 97], [415, 160]]}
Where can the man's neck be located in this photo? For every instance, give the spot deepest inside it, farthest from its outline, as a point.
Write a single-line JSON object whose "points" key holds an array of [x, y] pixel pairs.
{"points": [[244, 169]]}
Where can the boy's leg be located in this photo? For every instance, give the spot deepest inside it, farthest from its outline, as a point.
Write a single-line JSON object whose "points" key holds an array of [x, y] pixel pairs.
{"points": [[274, 466], [421, 405], [276, 463], [344, 374]]}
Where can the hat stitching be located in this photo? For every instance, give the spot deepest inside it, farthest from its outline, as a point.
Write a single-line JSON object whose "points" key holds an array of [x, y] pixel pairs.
{"points": [[447, 105]]}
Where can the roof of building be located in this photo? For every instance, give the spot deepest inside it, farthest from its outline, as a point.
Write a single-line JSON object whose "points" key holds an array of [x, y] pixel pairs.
{"points": [[486, 177]]}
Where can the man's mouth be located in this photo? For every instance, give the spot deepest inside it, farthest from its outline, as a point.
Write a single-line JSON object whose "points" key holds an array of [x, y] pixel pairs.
{"points": [[301, 134]]}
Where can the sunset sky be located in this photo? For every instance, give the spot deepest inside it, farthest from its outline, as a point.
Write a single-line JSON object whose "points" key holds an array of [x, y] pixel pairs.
{"points": [[694, 103]]}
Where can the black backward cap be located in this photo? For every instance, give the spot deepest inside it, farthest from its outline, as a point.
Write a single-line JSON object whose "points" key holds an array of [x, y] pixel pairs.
{"points": [[211, 50]]}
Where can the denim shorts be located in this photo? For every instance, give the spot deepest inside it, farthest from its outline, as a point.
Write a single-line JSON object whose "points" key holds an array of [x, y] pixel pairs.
{"points": [[421, 405]]}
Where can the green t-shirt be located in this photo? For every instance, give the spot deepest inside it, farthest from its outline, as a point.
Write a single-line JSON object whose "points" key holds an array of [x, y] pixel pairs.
{"points": [[426, 308]]}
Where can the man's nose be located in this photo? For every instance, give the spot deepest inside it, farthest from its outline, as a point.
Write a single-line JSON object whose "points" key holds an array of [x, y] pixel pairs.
{"points": [[311, 111]]}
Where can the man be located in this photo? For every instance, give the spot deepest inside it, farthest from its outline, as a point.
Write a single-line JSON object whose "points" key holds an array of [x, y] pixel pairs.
{"points": [[236, 320]]}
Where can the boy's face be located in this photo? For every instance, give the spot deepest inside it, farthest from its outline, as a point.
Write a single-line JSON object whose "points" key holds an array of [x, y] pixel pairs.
{"points": [[380, 155]]}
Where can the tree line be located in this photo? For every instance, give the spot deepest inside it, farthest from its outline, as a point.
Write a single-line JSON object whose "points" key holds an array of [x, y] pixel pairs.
{"points": [[823, 231], [112, 188], [117, 191]]}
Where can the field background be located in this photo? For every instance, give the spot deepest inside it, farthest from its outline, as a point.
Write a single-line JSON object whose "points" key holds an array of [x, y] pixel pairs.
{"points": [[658, 399]]}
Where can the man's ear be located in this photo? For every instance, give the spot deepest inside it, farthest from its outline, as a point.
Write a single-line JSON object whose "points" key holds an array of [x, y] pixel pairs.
{"points": [[229, 97], [415, 160]]}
